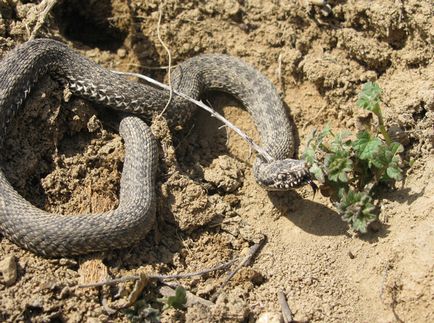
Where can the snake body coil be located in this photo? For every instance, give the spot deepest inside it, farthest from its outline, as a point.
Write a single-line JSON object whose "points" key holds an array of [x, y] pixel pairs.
{"points": [[59, 235]]}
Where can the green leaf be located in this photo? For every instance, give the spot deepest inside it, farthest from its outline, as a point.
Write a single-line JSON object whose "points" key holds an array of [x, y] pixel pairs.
{"points": [[357, 209], [388, 160], [380, 160], [326, 132], [179, 300], [394, 173], [309, 156], [411, 162], [396, 148], [341, 141], [366, 146], [360, 223], [370, 149], [142, 312], [315, 139], [370, 97], [337, 166], [317, 173]]}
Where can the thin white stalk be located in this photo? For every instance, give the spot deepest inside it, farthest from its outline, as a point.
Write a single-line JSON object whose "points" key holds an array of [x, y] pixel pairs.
{"points": [[169, 71], [211, 111]]}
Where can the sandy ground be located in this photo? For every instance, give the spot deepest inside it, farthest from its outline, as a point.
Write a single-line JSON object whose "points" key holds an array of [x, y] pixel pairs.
{"points": [[62, 158]]}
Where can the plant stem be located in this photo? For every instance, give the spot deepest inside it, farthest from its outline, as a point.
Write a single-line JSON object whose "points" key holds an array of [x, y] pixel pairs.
{"points": [[368, 187], [325, 148], [383, 129]]}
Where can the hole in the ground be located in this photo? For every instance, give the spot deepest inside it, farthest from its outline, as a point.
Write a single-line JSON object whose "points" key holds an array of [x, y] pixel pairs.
{"points": [[91, 23], [360, 22], [420, 113], [397, 38]]}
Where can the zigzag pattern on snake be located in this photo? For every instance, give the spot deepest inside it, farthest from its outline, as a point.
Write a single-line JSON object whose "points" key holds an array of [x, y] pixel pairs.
{"points": [[55, 235]]}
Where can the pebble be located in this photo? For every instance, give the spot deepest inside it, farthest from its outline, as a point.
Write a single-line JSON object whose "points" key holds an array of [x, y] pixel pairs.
{"points": [[122, 53], [269, 317], [8, 270]]}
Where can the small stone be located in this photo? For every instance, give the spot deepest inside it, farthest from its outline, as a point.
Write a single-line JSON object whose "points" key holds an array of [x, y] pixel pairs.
{"points": [[70, 263], [269, 317], [8, 270], [319, 3], [122, 52], [93, 124]]}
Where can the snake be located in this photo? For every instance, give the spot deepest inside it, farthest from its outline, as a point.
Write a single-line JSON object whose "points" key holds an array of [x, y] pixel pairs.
{"points": [[57, 235]]}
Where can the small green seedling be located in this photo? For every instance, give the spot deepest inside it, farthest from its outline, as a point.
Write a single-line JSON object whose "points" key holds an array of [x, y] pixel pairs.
{"points": [[350, 167], [141, 311], [178, 301]]}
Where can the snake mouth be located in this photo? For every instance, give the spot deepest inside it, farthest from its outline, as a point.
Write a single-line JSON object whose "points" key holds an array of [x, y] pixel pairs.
{"points": [[293, 180], [284, 175], [312, 185]]}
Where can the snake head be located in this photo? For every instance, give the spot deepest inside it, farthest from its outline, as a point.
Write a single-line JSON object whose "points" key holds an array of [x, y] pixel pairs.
{"points": [[283, 175]]}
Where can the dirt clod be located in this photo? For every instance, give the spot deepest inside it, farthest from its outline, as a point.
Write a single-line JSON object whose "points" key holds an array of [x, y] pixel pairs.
{"points": [[8, 270]]}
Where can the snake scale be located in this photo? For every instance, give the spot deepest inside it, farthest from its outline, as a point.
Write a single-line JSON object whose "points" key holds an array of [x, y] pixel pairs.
{"points": [[54, 235]]}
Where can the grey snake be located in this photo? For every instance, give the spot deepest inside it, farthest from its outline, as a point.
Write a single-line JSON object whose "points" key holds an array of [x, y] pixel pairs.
{"points": [[54, 235]]}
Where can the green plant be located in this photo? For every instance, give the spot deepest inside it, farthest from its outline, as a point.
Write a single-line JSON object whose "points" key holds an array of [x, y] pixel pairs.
{"points": [[177, 301], [141, 311], [350, 167]]}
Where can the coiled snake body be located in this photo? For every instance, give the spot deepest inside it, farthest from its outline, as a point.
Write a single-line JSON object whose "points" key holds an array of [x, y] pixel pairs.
{"points": [[55, 235]]}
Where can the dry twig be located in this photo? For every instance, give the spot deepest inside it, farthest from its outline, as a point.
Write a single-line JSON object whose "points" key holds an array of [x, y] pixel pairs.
{"points": [[160, 277], [47, 5], [246, 261], [137, 290], [147, 67], [279, 75], [213, 113], [107, 308], [169, 72], [286, 312]]}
